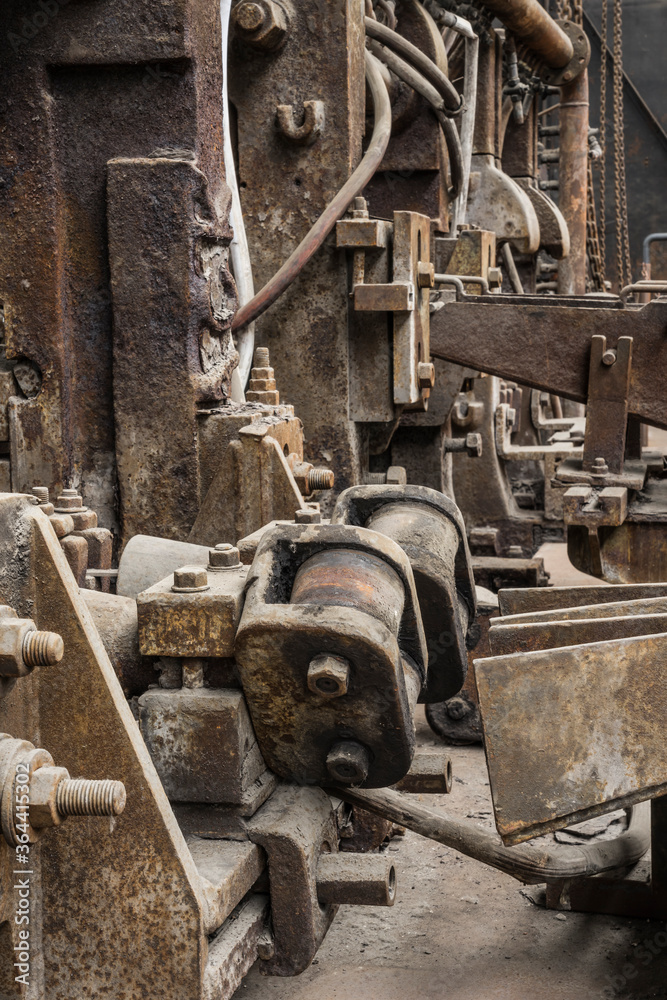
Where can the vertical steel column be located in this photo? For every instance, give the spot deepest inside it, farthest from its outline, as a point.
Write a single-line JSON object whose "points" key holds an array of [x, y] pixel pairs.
{"points": [[573, 182]]}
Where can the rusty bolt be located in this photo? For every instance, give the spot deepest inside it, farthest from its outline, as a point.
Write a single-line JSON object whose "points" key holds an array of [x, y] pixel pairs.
{"points": [[609, 358], [262, 25], [83, 797], [360, 209], [320, 479], [457, 708], [308, 516], [471, 444], [248, 17], [42, 649], [69, 502], [328, 675], [42, 493], [23, 647], [190, 580], [425, 274], [426, 375], [261, 359], [224, 556], [494, 277], [348, 762], [54, 796], [600, 467]]}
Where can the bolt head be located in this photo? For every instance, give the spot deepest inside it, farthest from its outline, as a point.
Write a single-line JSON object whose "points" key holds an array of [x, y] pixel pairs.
{"points": [[396, 476], [44, 782], [494, 277], [224, 556], [457, 708], [262, 25], [348, 763], [474, 445], [425, 375], [248, 16], [328, 675], [308, 516], [190, 579], [609, 358], [425, 274], [68, 501], [13, 632]]}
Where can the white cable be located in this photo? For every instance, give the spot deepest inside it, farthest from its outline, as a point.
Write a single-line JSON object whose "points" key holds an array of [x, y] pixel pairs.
{"points": [[463, 27], [239, 250]]}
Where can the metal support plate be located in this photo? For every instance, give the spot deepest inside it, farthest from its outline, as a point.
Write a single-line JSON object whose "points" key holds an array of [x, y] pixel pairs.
{"points": [[573, 733]]}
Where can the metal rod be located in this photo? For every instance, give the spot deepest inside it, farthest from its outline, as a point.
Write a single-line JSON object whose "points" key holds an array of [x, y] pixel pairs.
{"points": [[463, 279], [529, 21], [510, 267], [529, 864], [573, 182]]}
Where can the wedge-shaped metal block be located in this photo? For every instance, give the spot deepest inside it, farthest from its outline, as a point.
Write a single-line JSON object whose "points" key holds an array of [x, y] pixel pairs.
{"points": [[202, 745], [573, 733]]}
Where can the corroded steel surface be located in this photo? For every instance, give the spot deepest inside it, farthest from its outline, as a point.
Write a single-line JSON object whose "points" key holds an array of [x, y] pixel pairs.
{"points": [[574, 732]]}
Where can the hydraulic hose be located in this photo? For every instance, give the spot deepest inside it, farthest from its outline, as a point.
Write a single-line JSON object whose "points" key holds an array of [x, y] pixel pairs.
{"points": [[336, 208], [414, 79], [529, 864], [453, 102]]}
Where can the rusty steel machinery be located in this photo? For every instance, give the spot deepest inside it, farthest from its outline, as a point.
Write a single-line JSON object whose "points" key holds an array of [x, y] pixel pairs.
{"points": [[306, 347]]}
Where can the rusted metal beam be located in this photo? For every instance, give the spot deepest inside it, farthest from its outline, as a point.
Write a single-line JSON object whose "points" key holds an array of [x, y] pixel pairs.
{"points": [[546, 344]]}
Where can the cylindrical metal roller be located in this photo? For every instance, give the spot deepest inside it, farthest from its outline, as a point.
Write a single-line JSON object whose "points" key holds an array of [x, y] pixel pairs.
{"points": [[357, 879], [351, 579]]}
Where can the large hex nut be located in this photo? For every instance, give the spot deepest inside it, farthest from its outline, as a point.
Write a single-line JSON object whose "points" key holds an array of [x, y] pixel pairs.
{"points": [[190, 580], [43, 787], [261, 24], [328, 675]]}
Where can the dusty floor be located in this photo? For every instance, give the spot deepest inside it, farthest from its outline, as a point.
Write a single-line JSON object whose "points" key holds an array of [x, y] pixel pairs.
{"points": [[461, 931]]}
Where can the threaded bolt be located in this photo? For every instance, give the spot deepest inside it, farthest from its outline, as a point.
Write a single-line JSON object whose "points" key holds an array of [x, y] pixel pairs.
{"points": [[262, 357], [320, 479], [42, 493], [42, 649], [83, 797], [375, 478]]}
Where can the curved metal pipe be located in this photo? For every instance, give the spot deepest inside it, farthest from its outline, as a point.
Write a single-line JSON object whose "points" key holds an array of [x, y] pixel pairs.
{"points": [[373, 156], [529, 864], [529, 21], [452, 100]]}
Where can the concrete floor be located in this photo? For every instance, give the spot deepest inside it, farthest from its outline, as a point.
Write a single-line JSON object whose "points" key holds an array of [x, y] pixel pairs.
{"points": [[462, 931]]}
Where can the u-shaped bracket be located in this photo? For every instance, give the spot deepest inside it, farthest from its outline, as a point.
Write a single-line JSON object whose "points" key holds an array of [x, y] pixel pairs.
{"points": [[312, 127]]}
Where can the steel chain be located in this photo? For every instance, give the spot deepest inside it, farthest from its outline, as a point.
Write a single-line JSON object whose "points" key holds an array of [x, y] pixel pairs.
{"points": [[623, 260], [602, 229]]}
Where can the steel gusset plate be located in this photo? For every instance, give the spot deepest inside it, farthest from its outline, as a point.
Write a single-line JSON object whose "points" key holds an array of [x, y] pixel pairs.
{"points": [[277, 641], [429, 528]]}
